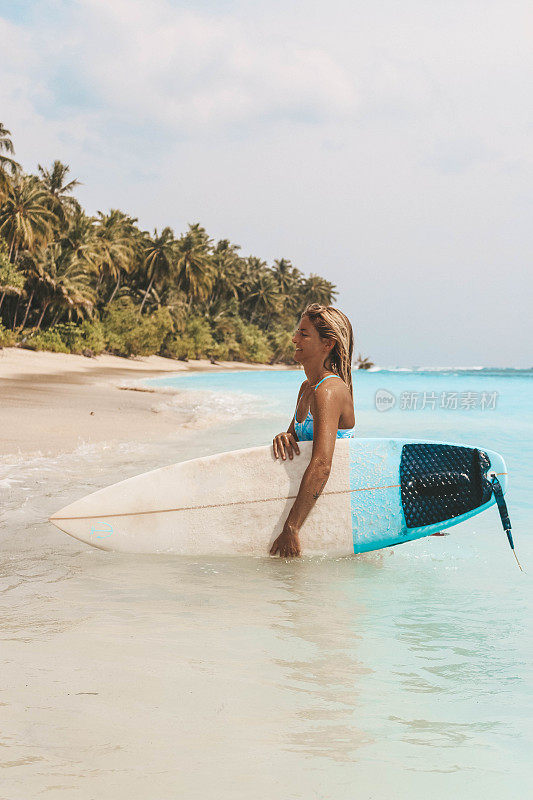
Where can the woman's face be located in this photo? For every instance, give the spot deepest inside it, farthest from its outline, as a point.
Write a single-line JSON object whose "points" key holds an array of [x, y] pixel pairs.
{"points": [[307, 343]]}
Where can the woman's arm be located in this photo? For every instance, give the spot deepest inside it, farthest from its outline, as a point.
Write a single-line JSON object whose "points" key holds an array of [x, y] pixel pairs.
{"points": [[325, 426], [284, 443]]}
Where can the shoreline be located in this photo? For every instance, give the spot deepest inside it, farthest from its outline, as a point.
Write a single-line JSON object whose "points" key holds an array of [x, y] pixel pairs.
{"points": [[51, 403]]}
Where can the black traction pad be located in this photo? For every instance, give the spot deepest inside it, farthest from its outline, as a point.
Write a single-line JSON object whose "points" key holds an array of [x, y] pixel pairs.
{"points": [[442, 481]]}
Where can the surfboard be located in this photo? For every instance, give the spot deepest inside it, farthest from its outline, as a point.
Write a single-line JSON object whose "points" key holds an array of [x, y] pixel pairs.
{"points": [[380, 493]]}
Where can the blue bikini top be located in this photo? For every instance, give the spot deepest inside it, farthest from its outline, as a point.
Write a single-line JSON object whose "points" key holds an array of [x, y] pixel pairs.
{"points": [[304, 430]]}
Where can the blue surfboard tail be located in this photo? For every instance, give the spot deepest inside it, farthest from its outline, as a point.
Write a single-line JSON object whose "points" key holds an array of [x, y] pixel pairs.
{"points": [[438, 485]]}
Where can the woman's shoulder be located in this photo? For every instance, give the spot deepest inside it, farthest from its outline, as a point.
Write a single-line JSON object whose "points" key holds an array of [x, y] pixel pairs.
{"points": [[333, 396], [326, 386], [333, 390]]}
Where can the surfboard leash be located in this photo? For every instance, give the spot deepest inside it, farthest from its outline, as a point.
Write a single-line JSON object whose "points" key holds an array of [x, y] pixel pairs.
{"points": [[504, 514]]}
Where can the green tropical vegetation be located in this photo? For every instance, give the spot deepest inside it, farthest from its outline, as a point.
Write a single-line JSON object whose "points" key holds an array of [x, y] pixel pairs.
{"points": [[75, 283]]}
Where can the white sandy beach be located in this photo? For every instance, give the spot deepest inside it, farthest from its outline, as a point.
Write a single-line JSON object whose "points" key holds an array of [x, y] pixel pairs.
{"points": [[53, 402]]}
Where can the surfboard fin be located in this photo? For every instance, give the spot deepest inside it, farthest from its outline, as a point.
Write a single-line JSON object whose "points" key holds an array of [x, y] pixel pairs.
{"points": [[504, 514]]}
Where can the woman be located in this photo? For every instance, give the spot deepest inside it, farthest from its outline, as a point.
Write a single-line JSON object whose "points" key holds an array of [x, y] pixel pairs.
{"points": [[323, 346]]}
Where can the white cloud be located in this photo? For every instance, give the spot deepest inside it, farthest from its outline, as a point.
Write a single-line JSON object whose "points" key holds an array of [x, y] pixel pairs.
{"points": [[170, 67], [27, 103]]}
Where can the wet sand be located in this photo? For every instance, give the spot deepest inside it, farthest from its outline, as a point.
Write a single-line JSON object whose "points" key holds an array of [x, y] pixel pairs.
{"points": [[54, 402]]}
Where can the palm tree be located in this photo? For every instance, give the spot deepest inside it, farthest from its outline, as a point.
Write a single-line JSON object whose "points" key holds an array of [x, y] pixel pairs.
{"points": [[227, 271], [318, 290], [159, 258], [193, 264], [287, 276], [31, 266], [54, 181], [363, 362], [11, 277], [61, 283], [264, 295], [289, 280], [25, 216], [8, 166], [251, 267], [80, 239], [117, 239]]}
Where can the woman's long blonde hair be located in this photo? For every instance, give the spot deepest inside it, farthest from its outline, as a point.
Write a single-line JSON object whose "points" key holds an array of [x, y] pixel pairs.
{"points": [[333, 324]]}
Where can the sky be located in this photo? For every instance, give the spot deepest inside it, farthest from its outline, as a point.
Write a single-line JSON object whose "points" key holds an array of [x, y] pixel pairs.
{"points": [[385, 146]]}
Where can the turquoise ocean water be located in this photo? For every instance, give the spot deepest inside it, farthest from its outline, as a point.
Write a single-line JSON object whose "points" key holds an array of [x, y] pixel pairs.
{"points": [[398, 674]]}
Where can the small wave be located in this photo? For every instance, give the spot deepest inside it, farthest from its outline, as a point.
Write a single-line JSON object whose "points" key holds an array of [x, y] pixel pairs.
{"points": [[33, 486], [21, 471], [488, 370], [203, 408], [449, 369]]}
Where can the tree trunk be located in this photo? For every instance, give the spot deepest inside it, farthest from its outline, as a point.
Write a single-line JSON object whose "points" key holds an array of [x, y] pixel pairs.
{"points": [[16, 312], [27, 309], [114, 291], [42, 315], [146, 295], [2, 299]]}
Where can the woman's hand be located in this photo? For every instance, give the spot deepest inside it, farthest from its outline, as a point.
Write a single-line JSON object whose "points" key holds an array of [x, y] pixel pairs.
{"points": [[285, 443], [287, 543]]}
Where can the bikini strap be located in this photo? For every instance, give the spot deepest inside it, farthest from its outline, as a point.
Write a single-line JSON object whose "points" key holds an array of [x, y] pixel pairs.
{"points": [[325, 379]]}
